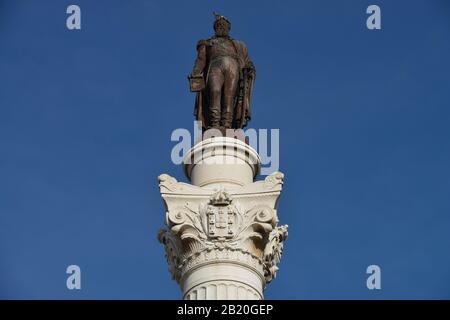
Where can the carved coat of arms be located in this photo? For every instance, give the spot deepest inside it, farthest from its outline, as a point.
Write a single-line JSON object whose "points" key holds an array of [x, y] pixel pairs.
{"points": [[221, 216]]}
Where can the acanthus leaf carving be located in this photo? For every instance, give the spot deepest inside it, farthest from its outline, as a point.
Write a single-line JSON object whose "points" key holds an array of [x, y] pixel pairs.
{"points": [[273, 251], [172, 247]]}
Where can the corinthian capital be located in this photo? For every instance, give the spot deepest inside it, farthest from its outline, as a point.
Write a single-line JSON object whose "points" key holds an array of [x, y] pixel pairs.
{"points": [[235, 225]]}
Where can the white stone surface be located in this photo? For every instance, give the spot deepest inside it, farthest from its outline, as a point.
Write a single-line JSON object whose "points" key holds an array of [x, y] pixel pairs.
{"points": [[222, 280], [222, 238], [221, 161]]}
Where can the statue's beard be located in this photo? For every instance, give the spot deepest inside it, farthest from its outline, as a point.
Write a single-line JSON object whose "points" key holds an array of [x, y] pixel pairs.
{"points": [[222, 32]]}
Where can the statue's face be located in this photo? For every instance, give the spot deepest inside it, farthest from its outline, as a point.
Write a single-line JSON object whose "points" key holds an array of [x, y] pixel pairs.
{"points": [[222, 28]]}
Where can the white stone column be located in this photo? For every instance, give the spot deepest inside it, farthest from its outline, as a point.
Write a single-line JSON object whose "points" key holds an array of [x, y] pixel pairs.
{"points": [[222, 238]]}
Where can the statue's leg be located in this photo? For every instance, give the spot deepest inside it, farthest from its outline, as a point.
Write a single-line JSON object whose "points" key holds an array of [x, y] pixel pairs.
{"points": [[229, 93], [215, 83]]}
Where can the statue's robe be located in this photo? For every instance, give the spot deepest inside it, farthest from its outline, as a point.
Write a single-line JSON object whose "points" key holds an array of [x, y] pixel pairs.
{"points": [[247, 74]]}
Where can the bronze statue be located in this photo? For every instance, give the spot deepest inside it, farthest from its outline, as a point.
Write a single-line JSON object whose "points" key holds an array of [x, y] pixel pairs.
{"points": [[223, 78]]}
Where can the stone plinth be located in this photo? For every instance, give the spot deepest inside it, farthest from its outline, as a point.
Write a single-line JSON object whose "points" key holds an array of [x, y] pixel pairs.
{"points": [[221, 161], [222, 238]]}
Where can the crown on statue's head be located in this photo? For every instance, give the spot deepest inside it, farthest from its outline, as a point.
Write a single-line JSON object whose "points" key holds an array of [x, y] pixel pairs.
{"points": [[219, 17]]}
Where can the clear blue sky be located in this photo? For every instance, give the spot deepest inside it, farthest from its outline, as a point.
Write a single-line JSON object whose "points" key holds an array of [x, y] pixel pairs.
{"points": [[86, 118]]}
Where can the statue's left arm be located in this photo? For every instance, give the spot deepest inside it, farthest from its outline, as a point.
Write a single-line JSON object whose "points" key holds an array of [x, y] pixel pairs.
{"points": [[248, 64]]}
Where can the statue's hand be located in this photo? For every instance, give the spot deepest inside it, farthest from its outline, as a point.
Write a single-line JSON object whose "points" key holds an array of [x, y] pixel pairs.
{"points": [[250, 65], [196, 74]]}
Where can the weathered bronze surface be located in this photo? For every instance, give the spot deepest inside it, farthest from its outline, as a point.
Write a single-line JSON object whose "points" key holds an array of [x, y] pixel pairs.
{"points": [[223, 77]]}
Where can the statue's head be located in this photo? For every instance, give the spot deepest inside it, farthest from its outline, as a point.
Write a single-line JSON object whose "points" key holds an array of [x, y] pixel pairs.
{"points": [[222, 26]]}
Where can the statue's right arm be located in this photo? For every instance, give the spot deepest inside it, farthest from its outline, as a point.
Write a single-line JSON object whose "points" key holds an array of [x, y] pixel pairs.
{"points": [[200, 62]]}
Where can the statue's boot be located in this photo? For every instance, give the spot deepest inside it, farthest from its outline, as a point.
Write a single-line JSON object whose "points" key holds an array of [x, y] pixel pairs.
{"points": [[226, 120], [214, 117]]}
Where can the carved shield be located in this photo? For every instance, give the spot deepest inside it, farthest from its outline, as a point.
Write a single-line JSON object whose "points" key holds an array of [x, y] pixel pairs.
{"points": [[221, 221]]}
